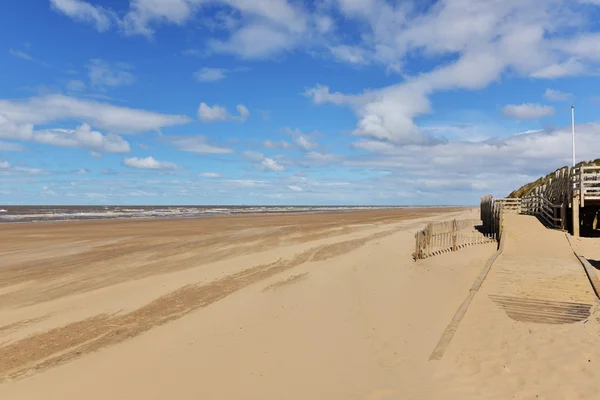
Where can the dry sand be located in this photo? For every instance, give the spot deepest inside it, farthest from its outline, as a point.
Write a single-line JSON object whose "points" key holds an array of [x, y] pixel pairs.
{"points": [[533, 330], [316, 306], [323, 306]]}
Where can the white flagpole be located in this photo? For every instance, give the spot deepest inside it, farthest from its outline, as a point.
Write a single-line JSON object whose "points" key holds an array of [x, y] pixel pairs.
{"points": [[573, 130]]}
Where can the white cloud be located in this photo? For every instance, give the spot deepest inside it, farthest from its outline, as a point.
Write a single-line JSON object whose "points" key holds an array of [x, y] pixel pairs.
{"points": [[305, 143], [499, 165], [82, 171], [263, 163], [104, 75], [210, 175], [243, 111], [148, 163], [82, 137], [527, 111], [295, 188], [95, 154], [320, 94], [349, 54], [85, 12], [484, 38], [557, 95], [208, 114], [210, 74], [255, 41], [267, 28], [145, 13], [212, 114], [272, 165], [281, 144], [52, 108], [198, 144], [570, 67]]}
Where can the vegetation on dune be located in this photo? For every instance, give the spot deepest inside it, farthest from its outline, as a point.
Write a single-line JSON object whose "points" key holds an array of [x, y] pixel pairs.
{"points": [[528, 189]]}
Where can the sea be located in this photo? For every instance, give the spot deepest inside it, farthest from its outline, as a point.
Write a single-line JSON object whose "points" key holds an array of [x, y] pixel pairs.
{"points": [[13, 214]]}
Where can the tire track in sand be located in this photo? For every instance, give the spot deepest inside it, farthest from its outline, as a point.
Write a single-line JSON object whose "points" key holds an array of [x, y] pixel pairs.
{"points": [[63, 344]]}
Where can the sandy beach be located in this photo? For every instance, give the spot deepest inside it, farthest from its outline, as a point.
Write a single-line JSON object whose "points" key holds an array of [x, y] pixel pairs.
{"points": [[281, 306], [327, 305]]}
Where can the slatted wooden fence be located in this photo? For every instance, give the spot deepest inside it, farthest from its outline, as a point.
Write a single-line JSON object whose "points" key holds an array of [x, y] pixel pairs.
{"points": [[491, 216], [442, 237], [511, 205]]}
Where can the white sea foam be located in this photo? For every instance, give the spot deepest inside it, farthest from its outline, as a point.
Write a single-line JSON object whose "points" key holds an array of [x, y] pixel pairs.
{"points": [[48, 213]]}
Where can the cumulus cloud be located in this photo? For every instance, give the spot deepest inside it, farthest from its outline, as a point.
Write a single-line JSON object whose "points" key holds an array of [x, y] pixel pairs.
{"points": [[82, 137], [52, 108], [494, 37], [104, 75], [148, 163], [255, 41], [305, 143], [263, 163], [198, 144], [271, 165], [208, 114], [295, 188], [83, 11], [256, 29], [527, 111]]}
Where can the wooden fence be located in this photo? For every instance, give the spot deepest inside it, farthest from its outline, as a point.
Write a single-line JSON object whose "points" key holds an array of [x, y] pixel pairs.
{"points": [[553, 215], [586, 183], [491, 216], [511, 205], [441, 237]]}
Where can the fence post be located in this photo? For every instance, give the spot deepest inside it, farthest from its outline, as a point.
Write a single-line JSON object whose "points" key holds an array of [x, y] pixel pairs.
{"points": [[417, 245], [454, 233]]}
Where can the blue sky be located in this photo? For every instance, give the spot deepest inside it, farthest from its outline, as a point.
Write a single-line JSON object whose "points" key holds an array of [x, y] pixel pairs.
{"points": [[291, 102]]}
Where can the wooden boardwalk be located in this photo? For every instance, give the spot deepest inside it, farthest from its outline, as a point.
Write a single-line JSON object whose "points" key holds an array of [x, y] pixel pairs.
{"points": [[537, 278], [531, 322]]}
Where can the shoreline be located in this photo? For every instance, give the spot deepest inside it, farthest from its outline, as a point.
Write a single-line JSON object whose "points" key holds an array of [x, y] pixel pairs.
{"points": [[232, 214]]}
